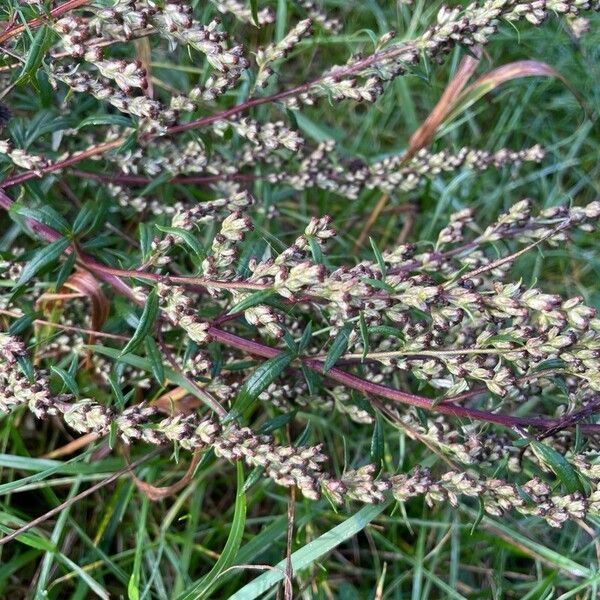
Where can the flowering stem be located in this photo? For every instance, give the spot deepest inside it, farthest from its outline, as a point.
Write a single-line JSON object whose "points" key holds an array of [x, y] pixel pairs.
{"points": [[219, 116], [352, 381], [185, 179], [55, 12], [171, 279]]}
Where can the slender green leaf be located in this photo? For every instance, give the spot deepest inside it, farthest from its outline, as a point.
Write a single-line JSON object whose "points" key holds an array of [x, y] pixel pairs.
{"points": [[315, 250], [311, 553], [100, 591], [133, 587], [155, 359], [31, 539], [378, 257], [251, 300], [89, 217], [43, 214], [119, 120], [559, 465], [305, 339], [36, 53], [380, 285], [143, 363], [65, 270], [146, 323], [378, 441], [258, 382], [254, 10], [67, 379], [42, 258], [21, 324], [206, 585], [535, 549], [187, 236], [339, 346], [364, 334]]}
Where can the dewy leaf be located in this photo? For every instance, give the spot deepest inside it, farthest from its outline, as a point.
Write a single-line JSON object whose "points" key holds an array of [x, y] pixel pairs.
{"points": [[258, 382], [42, 258], [559, 465], [205, 586], [146, 323], [339, 346]]}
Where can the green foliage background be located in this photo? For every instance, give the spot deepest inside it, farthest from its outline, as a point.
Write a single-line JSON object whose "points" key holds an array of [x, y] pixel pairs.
{"points": [[117, 542]]}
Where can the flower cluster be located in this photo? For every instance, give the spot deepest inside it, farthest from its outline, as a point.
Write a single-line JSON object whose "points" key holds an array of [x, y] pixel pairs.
{"points": [[298, 466], [265, 57], [23, 159], [468, 26], [356, 335], [468, 331]]}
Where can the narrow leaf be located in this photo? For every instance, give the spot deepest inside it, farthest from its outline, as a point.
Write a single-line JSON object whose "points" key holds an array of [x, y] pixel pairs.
{"points": [[559, 465], [206, 585], [251, 300], [188, 238], [155, 359], [377, 442], [42, 258], [146, 323], [339, 346], [364, 334], [258, 383], [378, 257], [35, 54], [106, 120], [43, 214], [67, 379], [310, 553], [254, 10], [305, 339]]}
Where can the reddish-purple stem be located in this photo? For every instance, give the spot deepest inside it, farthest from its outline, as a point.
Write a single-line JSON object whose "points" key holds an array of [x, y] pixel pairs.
{"points": [[335, 374]]}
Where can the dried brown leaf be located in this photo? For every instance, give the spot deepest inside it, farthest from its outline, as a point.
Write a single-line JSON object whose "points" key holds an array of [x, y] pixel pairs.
{"points": [[177, 400], [87, 285], [425, 133], [156, 493], [496, 77], [457, 98]]}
